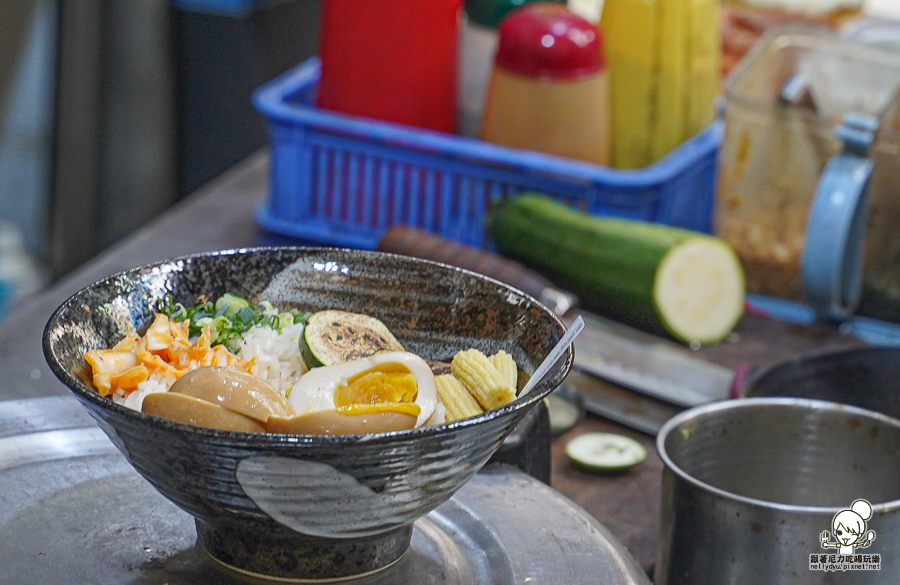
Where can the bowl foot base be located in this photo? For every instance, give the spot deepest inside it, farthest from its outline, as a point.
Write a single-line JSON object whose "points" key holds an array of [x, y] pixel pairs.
{"points": [[280, 553]]}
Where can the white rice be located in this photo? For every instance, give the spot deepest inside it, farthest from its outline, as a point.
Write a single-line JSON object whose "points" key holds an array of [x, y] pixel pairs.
{"points": [[278, 361], [277, 355], [135, 400]]}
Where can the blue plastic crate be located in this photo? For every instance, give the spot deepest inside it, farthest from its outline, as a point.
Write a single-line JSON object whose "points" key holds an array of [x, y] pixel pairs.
{"points": [[232, 8], [343, 180]]}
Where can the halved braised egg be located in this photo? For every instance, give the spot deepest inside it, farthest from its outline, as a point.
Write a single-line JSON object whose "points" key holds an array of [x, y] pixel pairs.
{"points": [[394, 382]]}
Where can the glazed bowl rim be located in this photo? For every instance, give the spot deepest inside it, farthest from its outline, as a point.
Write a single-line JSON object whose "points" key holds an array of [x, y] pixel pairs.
{"points": [[83, 393]]}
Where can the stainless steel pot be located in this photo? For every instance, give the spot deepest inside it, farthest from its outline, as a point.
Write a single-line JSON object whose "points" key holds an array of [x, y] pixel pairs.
{"points": [[868, 377], [750, 486]]}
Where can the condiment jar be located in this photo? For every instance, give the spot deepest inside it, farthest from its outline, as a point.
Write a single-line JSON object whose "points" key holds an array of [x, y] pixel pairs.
{"points": [[392, 60], [834, 12], [478, 38], [808, 172], [548, 88]]}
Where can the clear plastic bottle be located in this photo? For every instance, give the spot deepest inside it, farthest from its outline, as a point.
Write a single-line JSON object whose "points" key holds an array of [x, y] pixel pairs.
{"points": [[548, 89]]}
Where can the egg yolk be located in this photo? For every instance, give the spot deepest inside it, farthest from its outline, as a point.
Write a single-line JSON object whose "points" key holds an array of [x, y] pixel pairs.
{"points": [[382, 383], [395, 407]]}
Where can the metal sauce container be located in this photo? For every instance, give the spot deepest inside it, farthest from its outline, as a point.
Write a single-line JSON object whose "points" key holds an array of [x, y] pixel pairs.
{"points": [[756, 491], [548, 89]]}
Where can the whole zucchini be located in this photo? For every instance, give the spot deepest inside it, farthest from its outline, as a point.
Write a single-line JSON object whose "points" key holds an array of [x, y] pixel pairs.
{"points": [[653, 276]]}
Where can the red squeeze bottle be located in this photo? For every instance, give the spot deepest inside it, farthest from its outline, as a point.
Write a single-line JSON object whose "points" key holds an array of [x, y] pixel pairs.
{"points": [[392, 60]]}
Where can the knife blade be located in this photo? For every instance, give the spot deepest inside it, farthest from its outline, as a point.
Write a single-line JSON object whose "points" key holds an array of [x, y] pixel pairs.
{"points": [[633, 359], [618, 404], [648, 364]]}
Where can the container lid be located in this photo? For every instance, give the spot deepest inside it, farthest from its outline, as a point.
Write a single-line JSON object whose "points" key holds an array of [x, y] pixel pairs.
{"points": [[547, 40], [838, 75], [491, 12]]}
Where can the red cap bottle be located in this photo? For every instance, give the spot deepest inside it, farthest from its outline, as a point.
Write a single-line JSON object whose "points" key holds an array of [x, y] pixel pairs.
{"points": [[548, 89], [546, 40]]}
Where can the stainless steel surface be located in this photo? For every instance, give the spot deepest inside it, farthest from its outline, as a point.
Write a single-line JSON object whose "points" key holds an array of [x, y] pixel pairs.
{"points": [[750, 486], [867, 377], [620, 405], [648, 364], [80, 514], [560, 302]]}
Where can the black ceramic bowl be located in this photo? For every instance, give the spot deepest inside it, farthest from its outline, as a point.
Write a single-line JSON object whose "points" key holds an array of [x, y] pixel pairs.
{"points": [[304, 506]]}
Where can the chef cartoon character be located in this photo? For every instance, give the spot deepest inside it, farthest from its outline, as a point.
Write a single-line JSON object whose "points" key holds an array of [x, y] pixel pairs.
{"points": [[849, 528]]}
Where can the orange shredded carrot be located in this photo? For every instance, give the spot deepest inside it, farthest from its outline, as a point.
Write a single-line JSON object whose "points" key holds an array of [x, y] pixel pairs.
{"points": [[164, 353], [129, 379]]}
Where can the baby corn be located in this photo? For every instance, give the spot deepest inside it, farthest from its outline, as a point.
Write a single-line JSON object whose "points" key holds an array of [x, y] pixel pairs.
{"points": [[506, 365], [479, 376], [456, 399]]}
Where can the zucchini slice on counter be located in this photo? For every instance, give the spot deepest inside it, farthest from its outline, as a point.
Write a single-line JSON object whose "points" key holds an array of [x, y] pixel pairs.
{"points": [[688, 284], [605, 452], [333, 337]]}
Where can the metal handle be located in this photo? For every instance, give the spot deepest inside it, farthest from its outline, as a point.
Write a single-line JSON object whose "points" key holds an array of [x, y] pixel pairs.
{"points": [[421, 244], [831, 268]]}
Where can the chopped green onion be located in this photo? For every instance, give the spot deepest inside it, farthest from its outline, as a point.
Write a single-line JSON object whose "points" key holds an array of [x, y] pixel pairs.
{"points": [[228, 318], [230, 304]]}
